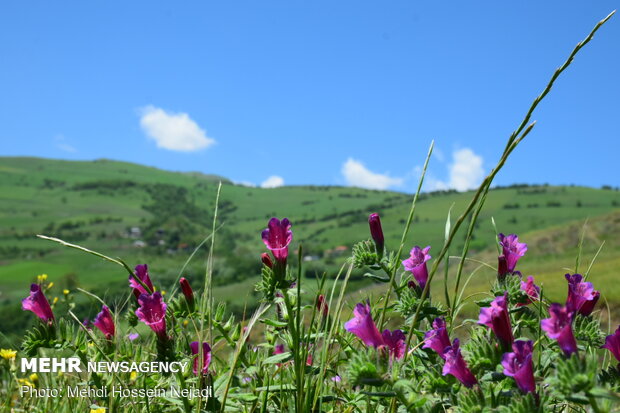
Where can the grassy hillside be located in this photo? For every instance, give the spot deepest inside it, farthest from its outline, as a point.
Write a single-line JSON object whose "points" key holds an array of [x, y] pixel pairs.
{"points": [[149, 215]]}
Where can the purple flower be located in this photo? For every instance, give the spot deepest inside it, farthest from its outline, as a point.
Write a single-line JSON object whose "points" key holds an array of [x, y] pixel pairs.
{"points": [[38, 304], [133, 336], [376, 232], [437, 338], [277, 236], [496, 317], [531, 289], [152, 312], [363, 326], [105, 322], [336, 379], [455, 365], [518, 364], [559, 327], [416, 263], [581, 295], [512, 250], [396, 342], [612, 343], [206, 356], [278, 349], [143, 274]]}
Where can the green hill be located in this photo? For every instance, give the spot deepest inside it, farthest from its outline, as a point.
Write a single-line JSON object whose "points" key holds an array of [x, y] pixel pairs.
{"points": [[145, 214]]}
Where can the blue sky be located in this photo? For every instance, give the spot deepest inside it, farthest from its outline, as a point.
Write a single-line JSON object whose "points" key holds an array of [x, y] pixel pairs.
{"points": [[321, 92]]}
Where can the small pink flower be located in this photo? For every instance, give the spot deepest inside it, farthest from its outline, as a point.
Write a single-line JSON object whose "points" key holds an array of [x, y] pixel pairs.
{"points": [[416, 263], [612, 343], [456, 366], [518, 365], [437, 338], [38, 304], [396, 342], [143, 274], [531, 289], [559, 327], [206, 356], [363, 326], [277, 236], [497, 319], [512, 250], [152, 312], [582, 297], [105, 322]]}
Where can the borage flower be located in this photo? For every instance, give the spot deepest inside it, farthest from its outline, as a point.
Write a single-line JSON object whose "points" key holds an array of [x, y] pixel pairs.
{"points": [[582, 296], [559, 327], [206, 357], [363, 326], [456, 366], [38, 304], [105, 322], [152, 312], [612, 343], [518, 364], [143, 274], [531, 289], [376, 232], [497, 319], [416, 264], [512, 250], [277, 236], [437, 338]]}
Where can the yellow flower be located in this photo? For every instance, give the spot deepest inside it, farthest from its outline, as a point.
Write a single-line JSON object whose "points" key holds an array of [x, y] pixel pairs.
{"points": [[65, 291], [133, 376], [50, 285], [33, 377], [41, 278], [55, 300], [91, 344], [25, 382], [8, 354], [185, 323], [98, 410], [163, 292]]}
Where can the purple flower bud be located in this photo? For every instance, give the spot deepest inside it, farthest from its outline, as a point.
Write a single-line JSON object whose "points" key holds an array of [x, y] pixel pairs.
{"points": [[206, 356], [531, 289], [496, 317], [396, 342], [416, 263], [581, 295], [143, 274], [612, 343], [437, 338], [363, 326], [277, 236], [321, 306], [105, 322], [512, 250], [278, 349], [518, 365], [38, 304], [455, 365], [376, 232], [187, 291], [559, 327], [152, 312], [266, 259]]}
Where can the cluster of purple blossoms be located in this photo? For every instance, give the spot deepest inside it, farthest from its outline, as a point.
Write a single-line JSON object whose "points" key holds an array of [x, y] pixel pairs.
{"points": [[277, 237], [363, 326], [438, 340]]}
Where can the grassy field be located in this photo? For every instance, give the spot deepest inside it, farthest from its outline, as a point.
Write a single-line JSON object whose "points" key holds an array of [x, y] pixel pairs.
{"points": [[98, 203]]}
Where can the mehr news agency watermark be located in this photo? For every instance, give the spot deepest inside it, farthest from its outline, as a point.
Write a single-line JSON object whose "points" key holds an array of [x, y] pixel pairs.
{"points": [[74, 365]]}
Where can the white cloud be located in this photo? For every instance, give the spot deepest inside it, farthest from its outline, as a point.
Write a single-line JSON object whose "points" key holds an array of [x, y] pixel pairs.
{"points": [[465, 172], [245, 183], [173, 131], [61, 143], [273, 181], [356, 174]]}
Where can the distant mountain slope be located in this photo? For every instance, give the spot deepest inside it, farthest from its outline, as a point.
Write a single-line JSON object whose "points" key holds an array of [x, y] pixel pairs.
{"points": [[149, 215]]}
